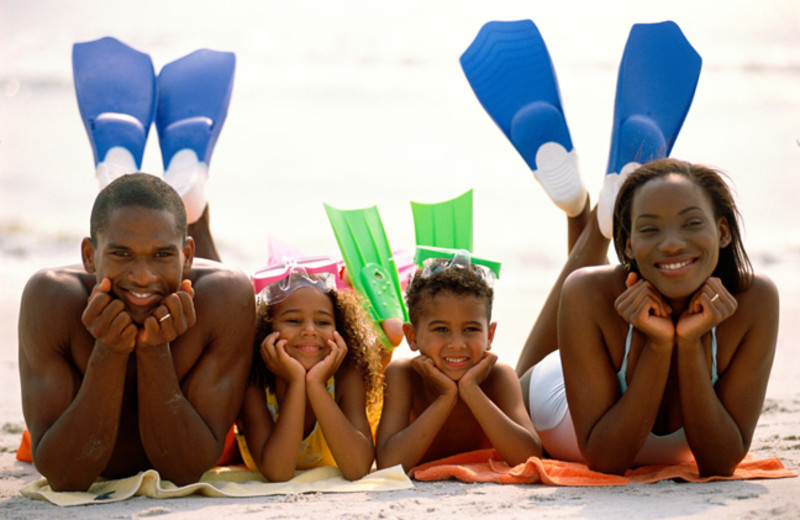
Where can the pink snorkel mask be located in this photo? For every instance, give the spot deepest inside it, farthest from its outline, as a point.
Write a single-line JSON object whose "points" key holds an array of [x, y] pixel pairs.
{"points": [[275, 282]]}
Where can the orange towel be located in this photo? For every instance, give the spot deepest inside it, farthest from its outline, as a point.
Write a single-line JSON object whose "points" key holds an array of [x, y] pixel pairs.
{"points": [[487, 466]]}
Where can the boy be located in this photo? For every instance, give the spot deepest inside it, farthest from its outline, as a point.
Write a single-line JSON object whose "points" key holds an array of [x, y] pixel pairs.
{"points": [[454, 397]]}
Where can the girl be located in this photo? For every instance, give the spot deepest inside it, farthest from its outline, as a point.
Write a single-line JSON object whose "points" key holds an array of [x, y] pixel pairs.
{"points": [[665, 357], [316, 368]]}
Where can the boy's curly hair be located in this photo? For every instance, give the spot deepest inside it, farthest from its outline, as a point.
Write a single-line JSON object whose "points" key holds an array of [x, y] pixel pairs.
{"points": [[364, 346], [454, 280]]}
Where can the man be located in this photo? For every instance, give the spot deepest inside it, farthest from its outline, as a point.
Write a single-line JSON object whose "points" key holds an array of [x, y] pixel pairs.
{"points": [[139, 358]]}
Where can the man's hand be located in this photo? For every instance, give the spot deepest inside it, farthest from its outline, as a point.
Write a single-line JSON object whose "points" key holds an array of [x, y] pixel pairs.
{"points": [[106, 319], [170, 319]]}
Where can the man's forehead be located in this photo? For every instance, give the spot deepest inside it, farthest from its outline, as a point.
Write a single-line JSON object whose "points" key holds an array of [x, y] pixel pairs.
{"points": [[135, 222]]}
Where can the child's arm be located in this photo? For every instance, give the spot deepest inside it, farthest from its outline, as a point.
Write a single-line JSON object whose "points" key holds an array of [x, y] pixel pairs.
{"points": [[345, 426], [399, 442], [493, 394], [274, 447]]}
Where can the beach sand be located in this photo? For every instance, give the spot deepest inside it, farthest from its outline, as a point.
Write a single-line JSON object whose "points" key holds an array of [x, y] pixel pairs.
{"points": [[334, 103]]}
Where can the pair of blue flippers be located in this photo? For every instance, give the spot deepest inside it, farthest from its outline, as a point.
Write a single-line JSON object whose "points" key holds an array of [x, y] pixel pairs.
{"points": [[510, 71], [119, 96]]}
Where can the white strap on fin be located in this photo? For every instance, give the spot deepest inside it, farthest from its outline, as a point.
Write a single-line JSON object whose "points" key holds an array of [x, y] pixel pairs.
{"points": [[117, 162], [557, 172], [608, 197], [188, 176]]}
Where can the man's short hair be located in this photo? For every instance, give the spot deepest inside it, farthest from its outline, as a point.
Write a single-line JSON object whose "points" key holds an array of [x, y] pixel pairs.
{"points": [[140, 190]]}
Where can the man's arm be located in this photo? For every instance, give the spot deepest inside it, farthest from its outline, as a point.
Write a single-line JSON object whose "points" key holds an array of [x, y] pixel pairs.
{"points": [[73, 420], [183, 422]]}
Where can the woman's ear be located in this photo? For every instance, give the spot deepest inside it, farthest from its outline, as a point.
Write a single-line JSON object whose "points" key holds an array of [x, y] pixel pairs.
{"points": [[411, 336], [628, 249], [87, 255], [724, 233]]}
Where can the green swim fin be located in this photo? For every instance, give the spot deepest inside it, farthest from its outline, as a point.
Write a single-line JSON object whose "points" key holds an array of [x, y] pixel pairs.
{"points": [[445, 224], [368, 258]]}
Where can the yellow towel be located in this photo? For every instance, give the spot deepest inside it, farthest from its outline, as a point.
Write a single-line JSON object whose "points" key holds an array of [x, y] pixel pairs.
{"points": [[224, 481], [487, 466]]}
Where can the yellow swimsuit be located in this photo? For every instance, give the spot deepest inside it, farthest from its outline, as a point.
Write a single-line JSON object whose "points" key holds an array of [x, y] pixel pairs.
{"points": [[314, 451]]}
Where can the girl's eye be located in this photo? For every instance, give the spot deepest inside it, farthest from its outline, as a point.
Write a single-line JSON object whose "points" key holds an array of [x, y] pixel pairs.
{"points": [[323, 323]]}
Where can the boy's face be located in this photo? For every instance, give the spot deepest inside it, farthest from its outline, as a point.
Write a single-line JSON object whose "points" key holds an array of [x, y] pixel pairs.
{"points": [[454, 331], [142, 255]]}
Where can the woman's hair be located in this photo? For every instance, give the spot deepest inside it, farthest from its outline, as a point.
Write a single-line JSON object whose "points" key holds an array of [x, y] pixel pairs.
{"points": [[452, 280], [364, 346], [733, 267]]}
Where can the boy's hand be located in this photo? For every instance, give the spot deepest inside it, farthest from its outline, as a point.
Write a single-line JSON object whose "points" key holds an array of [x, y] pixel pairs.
{"points": [[478, 373], [106, 319], [434, 377], [170, 319]]}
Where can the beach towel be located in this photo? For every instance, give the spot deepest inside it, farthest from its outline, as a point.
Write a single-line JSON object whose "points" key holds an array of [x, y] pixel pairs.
{"points": [[487, 466], [223, 481]]}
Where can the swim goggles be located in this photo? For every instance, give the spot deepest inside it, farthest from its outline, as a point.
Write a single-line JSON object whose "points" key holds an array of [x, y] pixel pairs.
{"points": [[274, 283], [433, 260]]}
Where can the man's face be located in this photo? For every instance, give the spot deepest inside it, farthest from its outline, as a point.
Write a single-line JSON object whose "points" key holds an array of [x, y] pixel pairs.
{"points": [[143, 256]]}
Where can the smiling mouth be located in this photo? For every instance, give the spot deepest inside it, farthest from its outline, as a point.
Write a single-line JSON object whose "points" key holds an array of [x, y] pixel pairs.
{"points": [[453, 360], [674, 266]]}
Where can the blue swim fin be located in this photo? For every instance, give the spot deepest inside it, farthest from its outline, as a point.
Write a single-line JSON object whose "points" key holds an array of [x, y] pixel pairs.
{"points": [[193, 97], [116, 90], [510, 71], [657, 79]]}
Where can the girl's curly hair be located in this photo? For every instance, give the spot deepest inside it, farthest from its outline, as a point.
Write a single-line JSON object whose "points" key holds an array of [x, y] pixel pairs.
{"points": [[364, 346]]}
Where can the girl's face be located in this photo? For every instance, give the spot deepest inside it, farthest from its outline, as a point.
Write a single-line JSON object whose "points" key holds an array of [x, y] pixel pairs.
{"points": [[305, 320], [675, 237]]}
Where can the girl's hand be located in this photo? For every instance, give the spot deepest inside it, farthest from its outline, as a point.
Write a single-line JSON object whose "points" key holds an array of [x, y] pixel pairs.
{"points": [[644, 308], [284, 366], [711, 305], [326, 368], [434, 377], [478, 373]]}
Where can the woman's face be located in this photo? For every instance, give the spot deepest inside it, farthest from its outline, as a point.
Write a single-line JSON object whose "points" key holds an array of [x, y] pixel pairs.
{"points": [[675, 237]]}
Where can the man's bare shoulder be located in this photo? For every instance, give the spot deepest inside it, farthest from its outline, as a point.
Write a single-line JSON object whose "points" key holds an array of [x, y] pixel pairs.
{"points": [[219, 281], [58, 289]]}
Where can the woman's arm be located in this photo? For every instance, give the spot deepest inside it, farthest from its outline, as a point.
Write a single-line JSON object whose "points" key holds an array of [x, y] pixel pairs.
{"points": [[611, 428], [719, 421]]}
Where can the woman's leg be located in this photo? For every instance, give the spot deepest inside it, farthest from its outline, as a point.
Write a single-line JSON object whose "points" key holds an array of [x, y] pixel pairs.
{"points": [[587, 246], [200, 231]]}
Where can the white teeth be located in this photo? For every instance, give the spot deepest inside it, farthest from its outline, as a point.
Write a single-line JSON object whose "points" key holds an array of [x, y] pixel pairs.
{"points": [[455, 360], [141, 295], [677, 265]]}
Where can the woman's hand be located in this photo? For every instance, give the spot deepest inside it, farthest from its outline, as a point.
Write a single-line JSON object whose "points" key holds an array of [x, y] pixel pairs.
{"points": [[284, 366], [644, 308], [711, 305]]}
